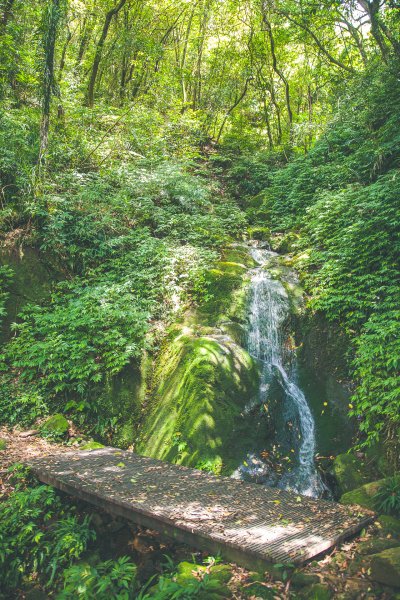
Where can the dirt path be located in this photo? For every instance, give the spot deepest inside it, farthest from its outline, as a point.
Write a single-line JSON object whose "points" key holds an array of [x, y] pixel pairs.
{"points": [[20, 448]]}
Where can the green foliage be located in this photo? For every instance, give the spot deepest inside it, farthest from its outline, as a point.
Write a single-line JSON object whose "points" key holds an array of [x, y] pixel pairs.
{"points": [[38, 535], [114, 579], [169, 589], [20, 404], [6, 276], [342, 201], [387, 498]]}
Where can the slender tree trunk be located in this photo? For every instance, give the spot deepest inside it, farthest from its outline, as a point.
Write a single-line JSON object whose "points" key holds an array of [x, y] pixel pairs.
{"points": [[268, 124], [51, 20], [83, 43], [99, 52], [232, 108], [275, 67]]}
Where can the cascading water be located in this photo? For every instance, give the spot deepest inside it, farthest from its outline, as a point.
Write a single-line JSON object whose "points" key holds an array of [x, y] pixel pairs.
{"points": [[269, 308]]}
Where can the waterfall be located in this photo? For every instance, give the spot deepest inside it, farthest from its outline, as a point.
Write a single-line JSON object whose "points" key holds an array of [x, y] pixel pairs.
{"points": [[269, 308]]}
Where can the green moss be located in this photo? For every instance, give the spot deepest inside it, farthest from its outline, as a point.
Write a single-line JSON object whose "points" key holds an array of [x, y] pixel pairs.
{"points": [[240, 255], [201, 385], [56, 426], [3, 444], [92, 445], [362, 495], [259, 233], [350, 472], [226, 285], [385, 567]]}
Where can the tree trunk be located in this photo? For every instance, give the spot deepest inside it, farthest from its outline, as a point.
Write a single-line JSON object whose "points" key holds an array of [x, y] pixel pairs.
{"points": [[50, 27], [99, 52], [232, 108], [275, 67]]}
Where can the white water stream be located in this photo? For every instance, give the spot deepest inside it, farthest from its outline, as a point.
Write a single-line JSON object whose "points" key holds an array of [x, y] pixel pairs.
{"points": [[269, 308]]}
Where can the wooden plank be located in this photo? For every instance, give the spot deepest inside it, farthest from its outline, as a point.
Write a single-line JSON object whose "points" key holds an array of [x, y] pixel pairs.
{"points": [[247, 523]]}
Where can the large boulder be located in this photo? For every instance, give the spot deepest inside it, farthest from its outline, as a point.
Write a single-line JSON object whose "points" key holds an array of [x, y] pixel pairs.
{"points": [[202, 382], [385, 567]]}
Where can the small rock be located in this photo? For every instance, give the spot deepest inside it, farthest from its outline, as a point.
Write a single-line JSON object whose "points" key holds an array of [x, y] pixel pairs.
{"points": [[385, 567], [30, 433]]}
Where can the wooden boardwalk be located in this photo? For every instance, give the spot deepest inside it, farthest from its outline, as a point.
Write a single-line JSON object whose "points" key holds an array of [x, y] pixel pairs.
{"points": [[248, 523]]}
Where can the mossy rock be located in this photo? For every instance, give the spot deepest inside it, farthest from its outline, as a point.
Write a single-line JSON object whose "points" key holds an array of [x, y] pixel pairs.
{"points": [[259, 233], [317, 591], [56, 426], [385, 567], [376, 545], [3, 444], [227, 285], [92, 445], [238, 254], [364, 495], [350, 472], [201, 385], [300, 580], [390, 525]]}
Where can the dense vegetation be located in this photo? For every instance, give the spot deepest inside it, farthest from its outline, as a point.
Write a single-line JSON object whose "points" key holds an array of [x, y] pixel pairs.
{"points": [[139, 140]]}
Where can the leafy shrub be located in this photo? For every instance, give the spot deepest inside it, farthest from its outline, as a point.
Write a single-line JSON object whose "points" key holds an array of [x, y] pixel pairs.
{"points": [[33, 543], [114, 579], [20, 404], [387, 498], [6, 276]]}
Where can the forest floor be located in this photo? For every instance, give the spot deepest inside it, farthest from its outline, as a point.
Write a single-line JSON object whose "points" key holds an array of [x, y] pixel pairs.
{"points": [[343, 572]]}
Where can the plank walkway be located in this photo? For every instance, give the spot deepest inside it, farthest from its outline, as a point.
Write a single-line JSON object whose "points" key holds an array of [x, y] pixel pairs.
{"points": [[248, 523]]}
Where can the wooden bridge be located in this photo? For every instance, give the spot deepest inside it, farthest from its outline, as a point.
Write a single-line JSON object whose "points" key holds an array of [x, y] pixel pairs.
{"points": [[247, 523]]}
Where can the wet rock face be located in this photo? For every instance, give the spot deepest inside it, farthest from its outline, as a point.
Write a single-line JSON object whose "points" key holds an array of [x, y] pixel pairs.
{"points": [[33, 277]]}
